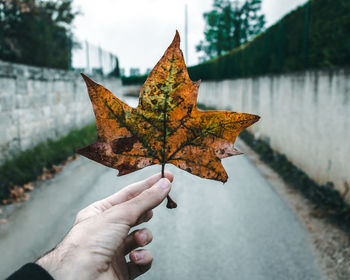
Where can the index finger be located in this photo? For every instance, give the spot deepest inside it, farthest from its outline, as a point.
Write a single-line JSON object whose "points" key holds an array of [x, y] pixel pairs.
{"points": [[130, 211], [135, 189]]}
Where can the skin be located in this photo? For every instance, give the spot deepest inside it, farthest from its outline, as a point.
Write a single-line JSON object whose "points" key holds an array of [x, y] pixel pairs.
{"points": [[99, 241]]}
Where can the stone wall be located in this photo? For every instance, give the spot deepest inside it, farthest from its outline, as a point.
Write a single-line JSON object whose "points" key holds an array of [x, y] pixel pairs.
{"points": [[305, 116], [41, 103]]}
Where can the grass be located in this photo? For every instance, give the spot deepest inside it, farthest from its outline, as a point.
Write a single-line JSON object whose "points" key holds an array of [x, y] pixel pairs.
{"points": [[26, 166], [327, 200]]}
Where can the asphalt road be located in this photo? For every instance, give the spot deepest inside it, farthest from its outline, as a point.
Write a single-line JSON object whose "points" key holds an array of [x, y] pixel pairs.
{"points": [[240, 230]]}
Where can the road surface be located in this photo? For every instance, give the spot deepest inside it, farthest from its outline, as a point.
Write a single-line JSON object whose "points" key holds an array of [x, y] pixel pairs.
{"points": [[241, 230]]}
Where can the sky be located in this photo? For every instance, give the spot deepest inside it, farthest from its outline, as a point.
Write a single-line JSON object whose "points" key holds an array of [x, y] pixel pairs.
{"points": [[139, 31]]}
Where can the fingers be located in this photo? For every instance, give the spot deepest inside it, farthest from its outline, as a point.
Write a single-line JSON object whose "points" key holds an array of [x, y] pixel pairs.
{"points": [[136, 239], [123, 195], [135, 189], [131, 211], [140, 262]]}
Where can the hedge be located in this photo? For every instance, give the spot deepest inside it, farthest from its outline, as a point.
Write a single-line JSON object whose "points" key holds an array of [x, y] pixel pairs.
{"points": [[316, 35], [327, 200]]}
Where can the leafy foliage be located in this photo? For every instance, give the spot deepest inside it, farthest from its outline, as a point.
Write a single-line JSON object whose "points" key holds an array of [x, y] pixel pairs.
{"points": [[36, 32], [115, 73], [166, 126], [230, 24], [315, 35], [26, 166]]}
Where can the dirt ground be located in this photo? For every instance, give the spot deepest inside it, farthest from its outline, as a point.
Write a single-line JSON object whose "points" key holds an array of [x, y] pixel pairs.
{"points": [[331, 245]]}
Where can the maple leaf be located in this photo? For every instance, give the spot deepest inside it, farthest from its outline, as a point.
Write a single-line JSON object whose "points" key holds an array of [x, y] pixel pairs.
{"points": [[165, 127]]}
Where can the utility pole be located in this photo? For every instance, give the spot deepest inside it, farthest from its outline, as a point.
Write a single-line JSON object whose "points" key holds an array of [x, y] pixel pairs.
{"points": [[87, 56], [100, 58], [186, 34]]}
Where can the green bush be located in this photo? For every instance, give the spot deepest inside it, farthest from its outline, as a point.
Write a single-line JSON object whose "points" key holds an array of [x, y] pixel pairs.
{"points": [[26, 166], [134, 80]]}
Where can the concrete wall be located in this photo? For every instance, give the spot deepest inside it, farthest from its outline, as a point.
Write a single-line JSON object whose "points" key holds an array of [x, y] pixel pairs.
{"points": [[304, 115], [40, 103]]}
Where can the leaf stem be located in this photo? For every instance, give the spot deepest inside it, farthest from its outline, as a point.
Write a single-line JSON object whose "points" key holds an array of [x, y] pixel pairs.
{"points": [[163, 166], [170, 203]]}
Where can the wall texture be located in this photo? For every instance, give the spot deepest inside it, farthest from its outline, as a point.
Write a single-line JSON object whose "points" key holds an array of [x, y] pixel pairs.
{"points": [[41, 103], [305, 116]]}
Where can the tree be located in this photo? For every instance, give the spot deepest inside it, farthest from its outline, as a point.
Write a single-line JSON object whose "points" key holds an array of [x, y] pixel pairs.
{"points": [[116, 71], [229, 25], [37, 32]]}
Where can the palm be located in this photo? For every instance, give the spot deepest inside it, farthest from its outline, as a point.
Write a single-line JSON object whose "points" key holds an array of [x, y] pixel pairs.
{"points": [[97, 245]]}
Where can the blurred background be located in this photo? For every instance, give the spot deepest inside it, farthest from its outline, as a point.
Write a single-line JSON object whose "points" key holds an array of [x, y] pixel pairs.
{"points": [[285, 60]]}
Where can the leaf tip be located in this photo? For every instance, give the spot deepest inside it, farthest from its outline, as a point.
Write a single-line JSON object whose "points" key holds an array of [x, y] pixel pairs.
{"points": [[256, 118], [237, 152], [176, 41], [87, 80], [198, 83]]}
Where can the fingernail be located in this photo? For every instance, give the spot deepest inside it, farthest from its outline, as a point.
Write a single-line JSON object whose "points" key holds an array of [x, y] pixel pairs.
{"points": [[137, 256], [143, 236], [164, 184]]}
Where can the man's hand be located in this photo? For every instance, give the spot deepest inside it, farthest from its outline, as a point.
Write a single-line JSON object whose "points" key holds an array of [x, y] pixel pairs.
{"points": [[96, 246]]}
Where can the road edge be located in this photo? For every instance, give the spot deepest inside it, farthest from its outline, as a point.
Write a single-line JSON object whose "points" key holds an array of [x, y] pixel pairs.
{"points": [[330, 245]]}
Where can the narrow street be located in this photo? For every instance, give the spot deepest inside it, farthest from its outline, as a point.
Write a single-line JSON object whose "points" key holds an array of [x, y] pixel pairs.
{"points": [[240, 230]]}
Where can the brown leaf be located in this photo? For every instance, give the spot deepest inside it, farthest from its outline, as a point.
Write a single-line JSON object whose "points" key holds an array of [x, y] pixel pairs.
{"points": [[166, 126], [3, 221], [16, 193], [71, 158], [29, 186], [56, 168], [46, 174]]}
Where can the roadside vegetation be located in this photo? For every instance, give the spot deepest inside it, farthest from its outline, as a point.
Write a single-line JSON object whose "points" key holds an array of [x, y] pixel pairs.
{"points": [[327, 200], [40, 161]]}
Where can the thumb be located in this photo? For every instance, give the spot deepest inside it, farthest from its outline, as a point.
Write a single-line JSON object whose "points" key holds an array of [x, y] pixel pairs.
{"points": [[130, 211]]}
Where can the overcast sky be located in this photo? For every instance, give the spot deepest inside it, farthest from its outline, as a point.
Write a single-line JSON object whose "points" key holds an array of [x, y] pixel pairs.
{"points": [[139, 31]]}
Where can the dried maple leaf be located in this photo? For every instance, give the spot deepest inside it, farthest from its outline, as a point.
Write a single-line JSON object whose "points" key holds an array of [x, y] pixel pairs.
{"points": [[166, 126]]}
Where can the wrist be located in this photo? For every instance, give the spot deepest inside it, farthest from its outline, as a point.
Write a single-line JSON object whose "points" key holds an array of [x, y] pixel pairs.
{"points": [[60, 264]]}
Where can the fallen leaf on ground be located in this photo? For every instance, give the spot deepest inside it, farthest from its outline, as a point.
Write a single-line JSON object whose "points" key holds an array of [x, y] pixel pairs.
{"points": [[166, 126], [56, 168], [46, 174], [3, 221], [29, 186], [16, 194]]}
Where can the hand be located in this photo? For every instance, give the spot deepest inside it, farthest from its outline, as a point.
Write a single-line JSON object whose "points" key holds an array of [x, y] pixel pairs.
{"points": [[96, 246]]}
